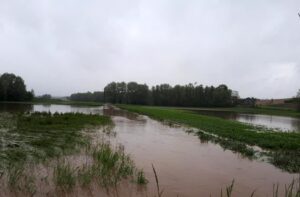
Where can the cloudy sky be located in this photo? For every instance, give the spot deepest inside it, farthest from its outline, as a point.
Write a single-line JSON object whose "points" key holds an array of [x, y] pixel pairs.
{"points": [[65, 46]]}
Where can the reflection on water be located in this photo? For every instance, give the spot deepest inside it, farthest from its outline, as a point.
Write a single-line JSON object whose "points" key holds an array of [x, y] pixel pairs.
{"points": [[273, 122], [68, 108], [20, 107], [15, 107]]}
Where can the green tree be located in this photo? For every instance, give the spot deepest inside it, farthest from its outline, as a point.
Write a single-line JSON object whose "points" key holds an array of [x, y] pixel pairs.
{"points": [[13, 88]]}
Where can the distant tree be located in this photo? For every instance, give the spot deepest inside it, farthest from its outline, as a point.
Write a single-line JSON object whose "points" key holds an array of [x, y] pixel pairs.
{"points": [[110, 92], [166, 95], [13, 88], [222, 96], [298, 100], [46, 96]]}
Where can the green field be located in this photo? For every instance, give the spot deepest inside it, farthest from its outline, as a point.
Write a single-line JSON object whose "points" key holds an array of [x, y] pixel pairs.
{"points": [[284, 148]]}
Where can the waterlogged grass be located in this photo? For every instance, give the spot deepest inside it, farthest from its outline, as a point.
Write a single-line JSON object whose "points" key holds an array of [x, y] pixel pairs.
{"points": [[40, 136], [235, 146], [233, 135], [108, 166], [49, 139], [64, 176]]}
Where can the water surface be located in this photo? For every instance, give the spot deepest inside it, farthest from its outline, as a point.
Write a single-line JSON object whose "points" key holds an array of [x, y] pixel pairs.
{"points": [[280, 123]]}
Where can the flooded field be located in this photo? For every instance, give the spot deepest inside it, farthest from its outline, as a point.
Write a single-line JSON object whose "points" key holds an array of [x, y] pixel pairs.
{"points": [[280, 123], [185, 166]]}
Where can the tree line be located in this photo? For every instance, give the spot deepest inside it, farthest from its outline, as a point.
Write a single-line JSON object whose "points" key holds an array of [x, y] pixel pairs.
{"points": [[166, 95], [88, 96], [13, 88]]}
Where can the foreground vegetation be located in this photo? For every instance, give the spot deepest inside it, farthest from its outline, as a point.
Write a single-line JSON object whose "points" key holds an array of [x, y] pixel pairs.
{"points": [[30, 140], [291, 190], [283, 148]]}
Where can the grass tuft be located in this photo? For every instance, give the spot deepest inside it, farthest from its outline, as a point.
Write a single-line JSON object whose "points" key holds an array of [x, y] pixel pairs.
{"points": [[64, 176], [141, 179]]}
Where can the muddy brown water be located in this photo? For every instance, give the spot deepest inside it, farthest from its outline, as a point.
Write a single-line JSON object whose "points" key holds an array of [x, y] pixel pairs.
{"points": [[185, 166]]}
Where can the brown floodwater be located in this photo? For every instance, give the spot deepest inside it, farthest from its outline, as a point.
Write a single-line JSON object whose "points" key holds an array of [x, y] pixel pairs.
{"points": [[185, 166]]}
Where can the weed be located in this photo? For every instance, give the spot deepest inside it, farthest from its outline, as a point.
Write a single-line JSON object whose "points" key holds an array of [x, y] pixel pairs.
{"points": [[141, 179], [159, 192]]}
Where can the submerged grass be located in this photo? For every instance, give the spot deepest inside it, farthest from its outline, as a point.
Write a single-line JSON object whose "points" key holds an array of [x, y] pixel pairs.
{"points": [[238, 135]]}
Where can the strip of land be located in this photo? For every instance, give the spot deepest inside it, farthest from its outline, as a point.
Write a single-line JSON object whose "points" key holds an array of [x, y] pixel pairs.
{"points": [[276, 111], [57, 102]]}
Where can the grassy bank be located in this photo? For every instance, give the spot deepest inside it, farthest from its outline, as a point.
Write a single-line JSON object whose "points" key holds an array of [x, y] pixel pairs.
{"points": [[59, 142], [234, 132], [276, 111]]}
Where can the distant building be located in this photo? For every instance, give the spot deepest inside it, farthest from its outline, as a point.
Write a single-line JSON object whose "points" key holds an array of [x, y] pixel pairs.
{"points": [[235, 94]]}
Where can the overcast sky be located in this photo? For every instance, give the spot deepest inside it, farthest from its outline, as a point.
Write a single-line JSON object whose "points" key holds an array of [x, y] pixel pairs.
{"points": [[65, 46]]}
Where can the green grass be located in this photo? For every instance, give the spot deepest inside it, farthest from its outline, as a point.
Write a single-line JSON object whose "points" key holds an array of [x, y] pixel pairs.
{"points": [[230, 130], [141, 179]]}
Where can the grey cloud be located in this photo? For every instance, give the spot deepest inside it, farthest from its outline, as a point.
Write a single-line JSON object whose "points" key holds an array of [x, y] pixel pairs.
{"points": [[60, 47]]}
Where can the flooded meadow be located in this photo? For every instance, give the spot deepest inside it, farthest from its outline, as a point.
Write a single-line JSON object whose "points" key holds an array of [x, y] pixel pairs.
{"points": [[185, 165]]}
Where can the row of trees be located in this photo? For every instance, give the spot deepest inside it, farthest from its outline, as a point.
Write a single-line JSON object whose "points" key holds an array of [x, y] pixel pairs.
{"points": [[131, 93], [13, 88], [88, 96], [167, 95]]}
